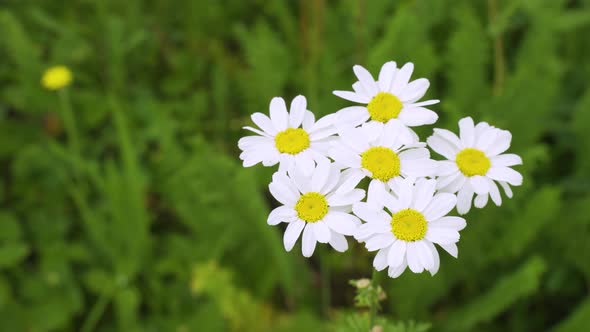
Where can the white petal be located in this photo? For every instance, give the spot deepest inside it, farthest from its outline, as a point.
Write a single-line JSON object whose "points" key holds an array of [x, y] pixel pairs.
{"points": [[297, 111], [346, 157], [397, 253], [320, 176], [441, 235], [380, 260], [442, 147], [379, 241], [455, 185], [257, 131], [467, 130], [417, 116], [506, 188], [415, 90], [451, 248], [452, 222], [446, 167], [349, 181], [423, 192], [377, 194], [308, 242], [321, 231], [386, 75], [341, 222], [338, 242], [413, 259], [401, 78], [419, 167], [352, 96], [369, 214], [494, 192], [332, 181], [479, 184], [349, 198], [486, 138], [324, 122], [464, 198], [281, 214], [300, 181], [421, 153], [505, 174], [252, 141], [509, 159], [435, 257], [368, 230], [501, 144], [405, 194], [441, 204], [397, 271], [481, 200], [278, 113], [264, 123], [424, 254], [304, 161], [282, 194], [358, 88], [350, 117], [308, 121], [450, 137], [292, 234], [366, 80]]}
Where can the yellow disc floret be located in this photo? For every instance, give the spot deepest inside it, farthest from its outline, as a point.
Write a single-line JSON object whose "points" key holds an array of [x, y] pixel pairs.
{"points": [[473, 162], [56, 78], [312, 207], [384, 107], [409, 225], [292, 141], [382, 162]]}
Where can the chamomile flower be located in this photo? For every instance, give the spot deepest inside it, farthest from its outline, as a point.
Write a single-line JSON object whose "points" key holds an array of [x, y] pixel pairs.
{"points": [[475, 163], [316, 206], [391, 98], [382, 156], [56, 77], [405, 236], [289, 138]]}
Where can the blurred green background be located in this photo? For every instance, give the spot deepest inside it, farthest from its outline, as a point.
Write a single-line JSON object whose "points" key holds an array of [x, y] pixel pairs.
{"points": [[151, 224]]}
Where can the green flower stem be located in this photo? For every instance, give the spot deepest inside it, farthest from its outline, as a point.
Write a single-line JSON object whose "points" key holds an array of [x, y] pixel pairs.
{"points": [[375, 299], [96, 312], [325, 282], [69, 122]]}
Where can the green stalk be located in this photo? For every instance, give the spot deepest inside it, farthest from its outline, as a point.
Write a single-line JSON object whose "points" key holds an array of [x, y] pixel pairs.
{"points": [[96, 312], [374, 300], [325, 282], [67, 116]]}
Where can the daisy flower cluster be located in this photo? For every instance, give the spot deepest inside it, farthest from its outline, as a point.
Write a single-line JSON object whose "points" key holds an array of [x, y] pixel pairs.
{"points": [[362, 172]]}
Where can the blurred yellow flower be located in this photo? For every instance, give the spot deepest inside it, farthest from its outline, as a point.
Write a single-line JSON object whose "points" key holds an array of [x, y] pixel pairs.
{"points": [[56, 77]]}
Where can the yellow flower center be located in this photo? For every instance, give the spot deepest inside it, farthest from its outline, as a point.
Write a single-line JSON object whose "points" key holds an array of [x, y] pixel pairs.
{"points": [[292, 140], [382, 162], [384, 107], [56, 77], [312, 207], [409, 225], [473, 162]]}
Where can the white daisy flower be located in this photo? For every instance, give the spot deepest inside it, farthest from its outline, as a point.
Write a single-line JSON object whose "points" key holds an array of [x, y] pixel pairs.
{"points": [[382, 156], [290, 138], [406, 235], [475, 163], [315, 205], [391, 98]]}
